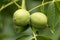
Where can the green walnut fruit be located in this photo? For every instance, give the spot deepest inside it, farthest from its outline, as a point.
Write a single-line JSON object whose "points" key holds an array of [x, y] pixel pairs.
{"points": [[38, 20], [21, 17]]}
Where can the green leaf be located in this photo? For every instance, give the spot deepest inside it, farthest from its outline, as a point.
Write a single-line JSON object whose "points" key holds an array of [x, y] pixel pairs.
{"points": [[20, 29], [25, 37], [47, 0], [58, 5], [43, 38], [42, 7], [32, 3], [2, 36], [56, 0], [3, 2], [51, 13], [51, 16]]}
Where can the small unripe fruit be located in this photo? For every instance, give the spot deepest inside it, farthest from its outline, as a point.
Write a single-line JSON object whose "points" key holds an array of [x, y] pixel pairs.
{"points": [[38, 20], [21, 17]]}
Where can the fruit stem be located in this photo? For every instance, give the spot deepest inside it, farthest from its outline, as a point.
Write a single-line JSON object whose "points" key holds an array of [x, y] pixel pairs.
{"points": [[39, 6], [42, 8], [23, 4], [4, 6], [34, 34], [17, 4], [42, 5]]}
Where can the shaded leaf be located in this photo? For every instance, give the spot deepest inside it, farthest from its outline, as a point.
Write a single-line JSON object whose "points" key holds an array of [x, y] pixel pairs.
{"points": [[58, 5], [25, 37], [51, 16], [43, 38], [2, 36]]}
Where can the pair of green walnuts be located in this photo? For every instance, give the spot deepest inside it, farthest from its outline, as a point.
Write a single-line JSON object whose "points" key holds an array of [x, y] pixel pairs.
{"points": [[22, 17]]}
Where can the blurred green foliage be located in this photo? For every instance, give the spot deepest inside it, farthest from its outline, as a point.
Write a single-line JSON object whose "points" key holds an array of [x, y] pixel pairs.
{"points": [[52, 10]]}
